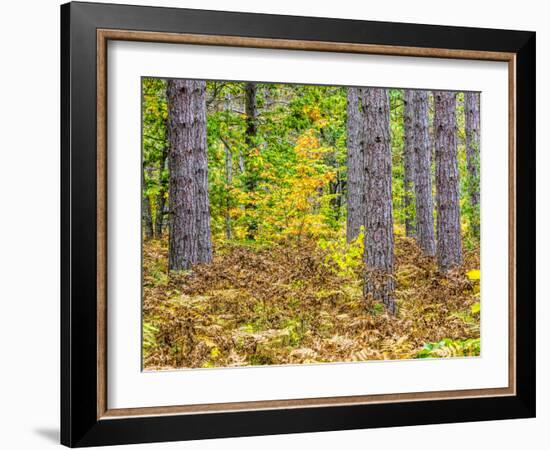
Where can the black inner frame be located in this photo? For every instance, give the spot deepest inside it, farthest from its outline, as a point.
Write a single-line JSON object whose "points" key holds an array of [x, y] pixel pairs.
{"points": [[79, 423]]}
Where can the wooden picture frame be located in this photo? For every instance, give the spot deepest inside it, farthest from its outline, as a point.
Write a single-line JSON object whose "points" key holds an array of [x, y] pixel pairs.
{"points": [[86, 419]]}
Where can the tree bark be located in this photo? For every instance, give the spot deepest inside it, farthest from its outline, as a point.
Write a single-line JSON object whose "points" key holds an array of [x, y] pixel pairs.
{"points": [[250, 175], [449, 242], [423, 174], [355, 166], [189, 240], [471, 111], [228, 176], [251, 110], [336, 190], [408, 163], [228, 182], [146, 209], [147, 219], [378, 255]]}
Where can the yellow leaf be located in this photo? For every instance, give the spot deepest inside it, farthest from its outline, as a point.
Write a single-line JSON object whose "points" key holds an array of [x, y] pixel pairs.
{"points": [[474, 275]]}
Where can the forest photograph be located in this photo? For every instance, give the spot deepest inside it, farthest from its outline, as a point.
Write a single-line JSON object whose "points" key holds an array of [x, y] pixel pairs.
{"points": [[307, 224]]}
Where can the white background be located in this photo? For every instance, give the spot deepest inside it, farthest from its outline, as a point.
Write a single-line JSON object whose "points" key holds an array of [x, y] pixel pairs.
{"points": [[29, 236], [128, 387]]}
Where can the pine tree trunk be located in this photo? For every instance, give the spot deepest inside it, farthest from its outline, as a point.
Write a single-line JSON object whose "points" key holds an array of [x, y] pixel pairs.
{"points": [[251, 110], [449, 243], [408, 163], [228, 174], [336, 190], [250, 175], [147, 219], [471, 111], [241, 162], [228, 182], [378, 256], [190, 240], [146, 215], [355, 166], [423, 176]]}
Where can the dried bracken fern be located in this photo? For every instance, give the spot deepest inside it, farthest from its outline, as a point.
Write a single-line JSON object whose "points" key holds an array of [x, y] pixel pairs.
{"points": [[292, 304]]}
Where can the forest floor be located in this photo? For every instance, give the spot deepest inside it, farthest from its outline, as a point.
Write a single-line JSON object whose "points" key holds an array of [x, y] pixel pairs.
{"points": [[292, 303]]}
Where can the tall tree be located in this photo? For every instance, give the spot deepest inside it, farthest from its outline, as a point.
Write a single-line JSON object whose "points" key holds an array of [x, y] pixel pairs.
{"points": [[408, 162], [146, 214], [449, 242], [355, 165], [378, 254], [228, 173], [423, 174], [190, 239], [251, 110], [471, 111], [250, 175]]}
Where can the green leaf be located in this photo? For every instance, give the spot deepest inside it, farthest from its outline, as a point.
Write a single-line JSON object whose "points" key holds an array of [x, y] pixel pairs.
{"points": [[475, 308]]}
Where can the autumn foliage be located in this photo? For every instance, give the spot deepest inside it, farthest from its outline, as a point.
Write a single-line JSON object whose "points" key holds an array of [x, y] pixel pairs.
{"points": [[286, 284], [293, 302]]}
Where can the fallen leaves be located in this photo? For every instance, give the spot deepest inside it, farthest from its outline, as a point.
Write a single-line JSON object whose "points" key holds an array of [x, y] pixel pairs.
{"points": [[285, 304]]}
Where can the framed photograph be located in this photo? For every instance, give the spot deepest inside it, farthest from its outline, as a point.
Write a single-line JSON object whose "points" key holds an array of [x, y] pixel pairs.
{"points": [[277, 224]]}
